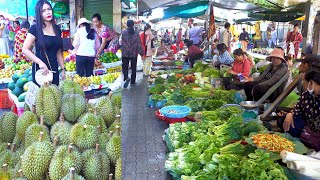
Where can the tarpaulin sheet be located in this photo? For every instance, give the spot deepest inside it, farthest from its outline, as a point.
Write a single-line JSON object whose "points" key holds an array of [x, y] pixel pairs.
{"points": [[189, 10]]}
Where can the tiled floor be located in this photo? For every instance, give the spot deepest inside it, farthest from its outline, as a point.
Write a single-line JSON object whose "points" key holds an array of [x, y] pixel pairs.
{"points": [[143, 151]]}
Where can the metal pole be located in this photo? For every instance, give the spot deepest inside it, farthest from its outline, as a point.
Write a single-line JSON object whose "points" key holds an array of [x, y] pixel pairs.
{"points": [[277, 33], [137, 9], [27, 13]]}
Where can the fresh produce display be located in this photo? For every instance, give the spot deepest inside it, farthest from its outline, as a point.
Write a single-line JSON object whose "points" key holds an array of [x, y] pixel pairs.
{"points": [[19, 85], [6, 73], [98, 64], [95, 80], [71, 66], [272, 142], [110, 77], [62, 138], [21, 65], [82, 81], [108, 57]]}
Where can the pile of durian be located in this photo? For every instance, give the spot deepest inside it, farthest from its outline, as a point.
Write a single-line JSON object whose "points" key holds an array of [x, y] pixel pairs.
{"points": [[63, 137]]}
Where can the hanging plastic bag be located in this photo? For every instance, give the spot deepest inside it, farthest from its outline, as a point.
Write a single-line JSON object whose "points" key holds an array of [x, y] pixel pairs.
{"points": [[291, 49], [139, 63]]}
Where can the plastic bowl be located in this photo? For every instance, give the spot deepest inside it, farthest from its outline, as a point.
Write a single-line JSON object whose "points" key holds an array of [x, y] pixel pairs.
{"points": [[175, 111]]}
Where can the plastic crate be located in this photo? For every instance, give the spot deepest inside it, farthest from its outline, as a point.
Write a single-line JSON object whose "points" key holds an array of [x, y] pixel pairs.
{"points": [[4, 99], [4, 85]]}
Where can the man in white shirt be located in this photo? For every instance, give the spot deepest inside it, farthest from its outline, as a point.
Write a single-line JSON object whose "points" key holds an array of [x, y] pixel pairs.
{"points": [[190, 25], [194, 34], [225, 36], [263, 28]]}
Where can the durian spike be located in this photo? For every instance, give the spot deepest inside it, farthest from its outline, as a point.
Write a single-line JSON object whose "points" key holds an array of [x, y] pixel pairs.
{"points": [[41, 120], [8, 145], [85, 127], [110, 134], [118, 116], [97, 148], [95, 111], [20, 172], [70, 149], [47, 176], [55, 141], [99, 129], [33, 109], [5, 167], [41, 136], [110, 176], [72, 173], [13, 147], [117, 130], [62, 117], [110, 94]]}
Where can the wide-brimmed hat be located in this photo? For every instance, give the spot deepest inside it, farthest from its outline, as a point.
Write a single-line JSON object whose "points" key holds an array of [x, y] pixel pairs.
{"points": [[82, 20], [278, 53]]}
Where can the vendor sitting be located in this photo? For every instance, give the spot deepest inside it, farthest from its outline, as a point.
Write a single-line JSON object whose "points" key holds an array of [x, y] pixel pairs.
{"points": [[162, 49], [304, 120], [194, 53], [239, 71], [173, 48], [256, 88], [224, 56]]}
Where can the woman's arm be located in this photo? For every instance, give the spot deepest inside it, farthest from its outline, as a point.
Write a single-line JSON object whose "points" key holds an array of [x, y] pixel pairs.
{"points": [[76, 41], [61, 63], [26, 50], [103, 44]]}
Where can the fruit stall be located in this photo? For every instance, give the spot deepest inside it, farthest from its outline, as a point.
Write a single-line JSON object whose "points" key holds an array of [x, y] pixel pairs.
{"points": [[210, 136]]}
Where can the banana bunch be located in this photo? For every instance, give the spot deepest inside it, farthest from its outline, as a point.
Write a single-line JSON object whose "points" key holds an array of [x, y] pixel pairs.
{"points": [[96, 80], [110, 77], [6, 73], [82, 81]]}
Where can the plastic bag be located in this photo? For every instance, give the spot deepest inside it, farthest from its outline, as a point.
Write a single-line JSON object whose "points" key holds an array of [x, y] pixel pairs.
{"points": [[291, 48], [139, 63]]}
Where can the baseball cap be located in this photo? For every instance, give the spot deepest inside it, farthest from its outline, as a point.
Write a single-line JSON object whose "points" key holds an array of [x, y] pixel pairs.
{"points": [[310, 59]]}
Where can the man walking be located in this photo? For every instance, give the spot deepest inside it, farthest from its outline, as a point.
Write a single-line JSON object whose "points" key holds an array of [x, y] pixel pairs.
{"points": [[244, 39]]}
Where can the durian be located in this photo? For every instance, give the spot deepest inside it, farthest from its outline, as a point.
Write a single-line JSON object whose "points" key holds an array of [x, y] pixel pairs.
{"points": [[68, 87], [8, 122], [28, 118], [36, 159], [103, 139], [72, 175], [84, 136], [48, 104], [61, 130], [4, 173], [116, 101], [64, 158], [93, 120], [32, 133], [116, 123], [73, 105], [97, 165], [118, 170], [114, 146], [105, 110]]}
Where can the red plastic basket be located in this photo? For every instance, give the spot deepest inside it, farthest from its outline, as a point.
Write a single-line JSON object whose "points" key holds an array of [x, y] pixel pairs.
{"points": [[4, 99], [169, 120]]}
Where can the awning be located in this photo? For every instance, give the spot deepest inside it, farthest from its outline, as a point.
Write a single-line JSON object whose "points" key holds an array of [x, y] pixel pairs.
{"points": [[276, 16], [18, 7], [187, 11]]}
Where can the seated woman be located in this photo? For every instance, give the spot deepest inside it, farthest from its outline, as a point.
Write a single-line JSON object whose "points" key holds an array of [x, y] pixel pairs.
{"points": [[194, 53], [256, 88], [239, 71], [224, 56], [304, 120], [162, 49]]}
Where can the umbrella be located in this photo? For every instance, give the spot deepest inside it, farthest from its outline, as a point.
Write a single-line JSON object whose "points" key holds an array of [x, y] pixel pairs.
{"points": [[7, 16]]}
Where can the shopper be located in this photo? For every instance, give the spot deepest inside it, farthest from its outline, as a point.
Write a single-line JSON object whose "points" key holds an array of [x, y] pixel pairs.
{"points": [[179, 38], [16, 27], [304, 120], [190, 25], [19, 40], [273, 38], [294, 37], [4, 36], [195, 33], [244, 39], [194, 53], [225, 36], [47, 38], [224, 56], [131, 46], [105, 33], [256, 88], [147, 41], [239, 71], [86, 44], [166, 36]]}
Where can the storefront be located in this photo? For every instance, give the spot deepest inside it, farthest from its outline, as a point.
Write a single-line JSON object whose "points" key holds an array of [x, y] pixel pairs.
{"points": [[103, 7]]}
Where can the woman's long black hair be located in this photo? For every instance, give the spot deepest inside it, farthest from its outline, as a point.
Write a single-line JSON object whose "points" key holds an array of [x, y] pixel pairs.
{"points": [[91, 32], [40, 25]]}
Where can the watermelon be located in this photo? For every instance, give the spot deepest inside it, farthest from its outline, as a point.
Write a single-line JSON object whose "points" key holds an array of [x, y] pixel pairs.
{"points": [[11, 86]]}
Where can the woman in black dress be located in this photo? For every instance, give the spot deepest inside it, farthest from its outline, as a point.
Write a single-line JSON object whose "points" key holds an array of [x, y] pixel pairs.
{"points": [[47, 37]]}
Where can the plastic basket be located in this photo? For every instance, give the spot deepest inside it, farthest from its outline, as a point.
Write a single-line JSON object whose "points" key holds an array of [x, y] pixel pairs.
{"points": [[169, 120], [4, 99], [179, 111]]}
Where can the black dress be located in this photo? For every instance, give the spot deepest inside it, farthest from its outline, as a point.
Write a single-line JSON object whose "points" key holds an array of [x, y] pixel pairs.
{"points": [[52, 44]]}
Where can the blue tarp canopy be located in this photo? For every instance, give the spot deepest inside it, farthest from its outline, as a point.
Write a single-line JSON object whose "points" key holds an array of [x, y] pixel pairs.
{"points": [[189, 10], [18, 7]]}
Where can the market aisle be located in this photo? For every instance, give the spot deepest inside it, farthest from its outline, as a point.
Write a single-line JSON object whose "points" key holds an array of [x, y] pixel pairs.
{"points": [[143, 151]]}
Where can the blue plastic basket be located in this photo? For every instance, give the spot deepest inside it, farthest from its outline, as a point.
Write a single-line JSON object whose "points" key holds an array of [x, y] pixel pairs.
{"points": [[180, 111]]}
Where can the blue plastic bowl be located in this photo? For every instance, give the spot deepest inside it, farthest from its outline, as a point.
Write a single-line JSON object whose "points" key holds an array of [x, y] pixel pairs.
{"points": [[175, 111]]}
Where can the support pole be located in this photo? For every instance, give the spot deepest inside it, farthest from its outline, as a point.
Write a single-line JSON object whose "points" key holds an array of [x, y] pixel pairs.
{"points": [[277, 33], [306, 26], [27, 13]]}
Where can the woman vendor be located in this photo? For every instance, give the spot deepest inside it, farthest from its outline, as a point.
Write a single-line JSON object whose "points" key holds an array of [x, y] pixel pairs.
{"points": [[256, 88], [162, 49], [194, 53], [239, 71], [304, 120]]}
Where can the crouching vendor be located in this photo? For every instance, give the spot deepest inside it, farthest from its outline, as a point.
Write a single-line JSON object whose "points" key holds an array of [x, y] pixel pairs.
{"points": [[304, 120], [256, 88]]}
